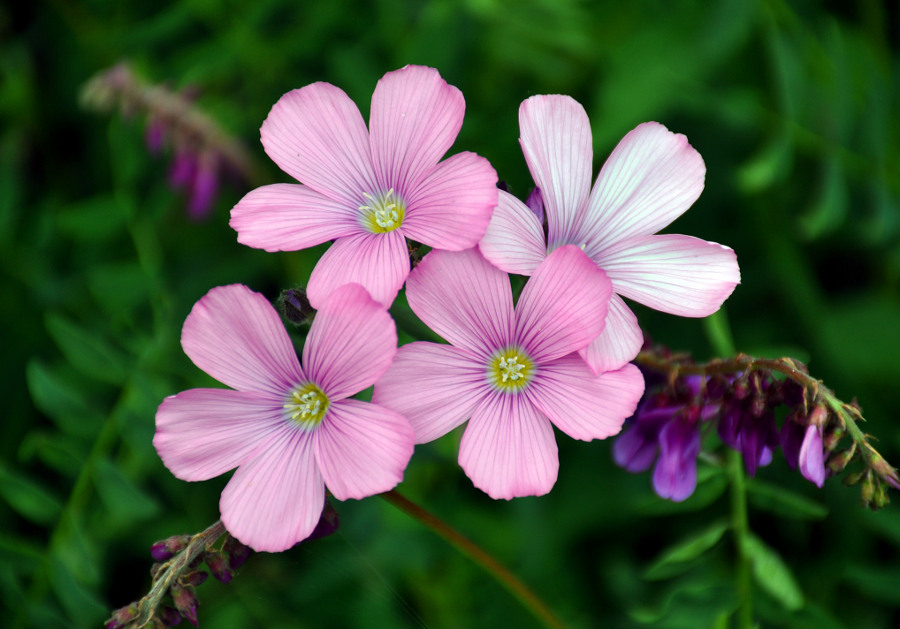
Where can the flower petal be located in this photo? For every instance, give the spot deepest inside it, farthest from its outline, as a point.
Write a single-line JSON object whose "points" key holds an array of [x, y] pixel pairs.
{"points": [[556, 141], [377, 262], [811, 457], [317, 136], [202, 433], [681, 275], [508, 448], [415, 118], [290, 217], [362, 449], [436, 387], [651, 178], [275, 500], [235, 335], [514, 240], [620, 341], [582, 405], [350, 344], [675, 474], [463, 298], [563, 306], [451, 207]]}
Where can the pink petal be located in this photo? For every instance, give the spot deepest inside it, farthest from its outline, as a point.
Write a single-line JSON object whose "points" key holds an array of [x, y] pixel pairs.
{"points": [[291, 217], [235, 335], [681, 275], [582, 405], [317, 136], [514, 240], [202, 433], [436, 387], [556, 141], [508, 448], [563, 306], [620, 341], [362, 449], [415, 118], [649, 180], [275, 500], [377, 262], [464, 299], [350, 344], [451, 207]]}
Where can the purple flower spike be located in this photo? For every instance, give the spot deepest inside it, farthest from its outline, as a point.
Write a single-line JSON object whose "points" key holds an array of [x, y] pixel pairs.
{"points": [[635, 449], [792, 433], [182, 169], [811, 457], [675, 474], [758, 436], [204, 187]]}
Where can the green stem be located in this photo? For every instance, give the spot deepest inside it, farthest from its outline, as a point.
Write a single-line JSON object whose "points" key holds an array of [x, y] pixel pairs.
{"points": [[504, 577], [740, 528]]}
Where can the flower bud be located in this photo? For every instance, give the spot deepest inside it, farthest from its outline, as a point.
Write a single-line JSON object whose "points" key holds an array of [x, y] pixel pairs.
{"points": [[169, 616], [236, 552], [164, 550], [837, 462], [328, 523], [868, 489], [218, 565], [295, 306], [185, 601], [194, 578], [122, 616]]}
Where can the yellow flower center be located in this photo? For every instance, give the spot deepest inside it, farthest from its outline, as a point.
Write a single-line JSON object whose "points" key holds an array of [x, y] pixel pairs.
{"points": [[510, 370], [306, 405], [383, 213]]}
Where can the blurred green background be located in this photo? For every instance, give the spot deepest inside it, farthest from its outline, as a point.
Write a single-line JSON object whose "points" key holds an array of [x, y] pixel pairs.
{"points": [[794, 107]]}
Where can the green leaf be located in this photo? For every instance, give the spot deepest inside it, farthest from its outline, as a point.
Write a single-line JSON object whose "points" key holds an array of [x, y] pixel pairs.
{"points": [[121, 497], [87, 350], [61, 400], [29, 499], [771, 573], [784, 502], [56, 450], [676, 558], [118, 287], [77, 600]]}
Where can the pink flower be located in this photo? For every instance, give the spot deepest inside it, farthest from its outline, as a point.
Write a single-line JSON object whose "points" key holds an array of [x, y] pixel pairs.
{"points": [[649, 180], [368, 189], [513, 371], [289, 430]]}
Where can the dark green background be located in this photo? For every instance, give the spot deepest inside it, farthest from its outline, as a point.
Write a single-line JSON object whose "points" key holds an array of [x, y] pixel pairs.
{"points": [[794, 107]]}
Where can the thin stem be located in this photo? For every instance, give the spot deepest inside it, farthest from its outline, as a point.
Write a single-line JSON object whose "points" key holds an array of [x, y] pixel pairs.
{"points": [[740, 529], [504, 577]]}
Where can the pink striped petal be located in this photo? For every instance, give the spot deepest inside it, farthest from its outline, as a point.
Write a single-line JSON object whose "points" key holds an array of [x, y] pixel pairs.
{"points": [[436, 387], [202, 433], [350, 344], [415, 118], [362, 449], [620, 341], [563, 306], [235, 335], [649, 180], [451, 207], [681, 275], [464, 299], [582, 405], [275, 500], [556, 141], [291, 217], [317, 136], [514, 240], [508, 448], [377, 262]]}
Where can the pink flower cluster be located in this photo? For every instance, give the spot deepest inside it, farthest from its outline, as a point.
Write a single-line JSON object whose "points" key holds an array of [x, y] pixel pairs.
{"points": [[558, 356]]}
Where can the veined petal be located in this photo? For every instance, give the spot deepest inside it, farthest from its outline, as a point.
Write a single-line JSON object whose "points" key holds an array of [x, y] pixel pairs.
{"points": [[415, 118], [350, 344], [317, 136], [514, 240], [291, 217], [362, 449], [681, 275], [275, 500], [436, 387], [582, 405], [508, 448], [463, 298], [620, 341], [235, 335], [377, 262], [451, 207], [202, 433], [563, 306], [556, 141], [649, 180]]}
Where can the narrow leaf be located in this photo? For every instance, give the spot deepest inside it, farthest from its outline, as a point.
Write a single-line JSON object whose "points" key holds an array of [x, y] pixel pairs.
{"points": [[676, 557], [771, 573]]}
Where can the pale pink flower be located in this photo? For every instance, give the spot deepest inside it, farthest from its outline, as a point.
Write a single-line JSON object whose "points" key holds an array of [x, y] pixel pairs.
{"points": [[368, 189], [289, 430], [650, 179], [512, 372]]}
